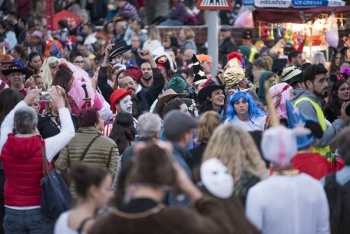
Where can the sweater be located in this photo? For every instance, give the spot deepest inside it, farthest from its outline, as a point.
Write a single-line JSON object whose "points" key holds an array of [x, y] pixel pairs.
{"points": [[103, 152], [206, 217]]}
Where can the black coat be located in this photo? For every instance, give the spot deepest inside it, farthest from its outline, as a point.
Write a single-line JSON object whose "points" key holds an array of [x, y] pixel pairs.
{"points": [[227, 46], [49, 128], [197, 155]]}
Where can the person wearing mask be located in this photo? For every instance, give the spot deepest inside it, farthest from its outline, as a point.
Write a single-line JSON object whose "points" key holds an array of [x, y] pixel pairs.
{"points": [[142, 99], [282, 201], [152, 173]]}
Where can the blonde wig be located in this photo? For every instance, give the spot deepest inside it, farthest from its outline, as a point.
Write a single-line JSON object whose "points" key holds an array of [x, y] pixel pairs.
{"points": [[236, 149], [46, 73]]}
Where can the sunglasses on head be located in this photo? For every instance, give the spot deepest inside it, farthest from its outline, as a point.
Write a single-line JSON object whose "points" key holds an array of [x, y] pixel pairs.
{"points": [[53, 65]]}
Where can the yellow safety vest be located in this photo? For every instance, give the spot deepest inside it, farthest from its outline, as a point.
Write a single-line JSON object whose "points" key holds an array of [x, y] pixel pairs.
{"points": [[320, 117]]}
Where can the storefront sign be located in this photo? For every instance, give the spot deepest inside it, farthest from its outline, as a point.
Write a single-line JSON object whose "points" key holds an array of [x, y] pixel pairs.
{"points": [[248, 3], [309, 3], [334, 3], [273, 3]]}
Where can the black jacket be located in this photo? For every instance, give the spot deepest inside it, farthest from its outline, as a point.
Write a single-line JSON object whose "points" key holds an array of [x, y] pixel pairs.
{"points": [[143, 100], [227, 46], [48, 128]]}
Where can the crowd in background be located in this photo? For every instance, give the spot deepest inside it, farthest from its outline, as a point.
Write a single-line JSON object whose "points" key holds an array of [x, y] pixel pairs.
{"points": [[150, 136]]}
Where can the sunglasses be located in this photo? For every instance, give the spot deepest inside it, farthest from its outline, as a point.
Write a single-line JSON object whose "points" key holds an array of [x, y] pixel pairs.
{"points": [[53, 65]]}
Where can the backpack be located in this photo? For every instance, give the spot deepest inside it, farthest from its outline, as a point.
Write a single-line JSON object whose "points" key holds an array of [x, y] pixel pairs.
{"points": [[339, 205]]}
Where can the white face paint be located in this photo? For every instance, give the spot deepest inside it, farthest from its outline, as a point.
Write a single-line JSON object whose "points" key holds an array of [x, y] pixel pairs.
{"points": [[126, 104], [216, 178]]}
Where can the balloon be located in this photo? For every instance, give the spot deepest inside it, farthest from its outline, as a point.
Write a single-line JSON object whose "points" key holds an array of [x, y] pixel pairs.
{"points": [[245, 20], [332, 38]]}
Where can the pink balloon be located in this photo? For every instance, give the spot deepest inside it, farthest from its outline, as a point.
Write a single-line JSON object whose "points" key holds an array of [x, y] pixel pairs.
{"points": [[332, 38], [245, 20]]}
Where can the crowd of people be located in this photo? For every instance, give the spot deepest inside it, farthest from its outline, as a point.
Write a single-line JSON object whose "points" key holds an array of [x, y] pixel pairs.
{"points": [[150, 136]]}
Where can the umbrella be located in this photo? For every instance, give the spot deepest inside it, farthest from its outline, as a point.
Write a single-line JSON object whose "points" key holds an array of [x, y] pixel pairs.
{"points": [[72, 19]]}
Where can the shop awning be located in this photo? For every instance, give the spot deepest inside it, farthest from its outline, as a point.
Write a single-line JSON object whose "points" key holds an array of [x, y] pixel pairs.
{"points": [[294, 15]]}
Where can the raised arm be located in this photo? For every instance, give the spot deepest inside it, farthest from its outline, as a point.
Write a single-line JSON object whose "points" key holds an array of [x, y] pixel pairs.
{"points": [[105, 88]]}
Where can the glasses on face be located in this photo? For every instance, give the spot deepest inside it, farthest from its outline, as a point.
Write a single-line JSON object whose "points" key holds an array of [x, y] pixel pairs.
{"points": [[271, 82]]}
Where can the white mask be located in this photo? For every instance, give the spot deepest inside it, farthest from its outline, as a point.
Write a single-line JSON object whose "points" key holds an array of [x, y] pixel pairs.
{"points": [[216, 178], [126, 104]]}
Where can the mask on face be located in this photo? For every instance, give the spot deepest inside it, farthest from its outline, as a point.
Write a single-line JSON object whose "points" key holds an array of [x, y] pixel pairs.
{"points": [[216, 178], [126, 104]]}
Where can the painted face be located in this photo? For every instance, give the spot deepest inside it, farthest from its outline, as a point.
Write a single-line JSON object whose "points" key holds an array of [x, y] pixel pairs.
{"points": [[241, 106], [216, 178], [343, 92], [126, 104], [217, 98]]}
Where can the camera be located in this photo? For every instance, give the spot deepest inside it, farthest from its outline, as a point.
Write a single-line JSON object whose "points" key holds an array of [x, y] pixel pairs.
{"points": [[44, 96]]}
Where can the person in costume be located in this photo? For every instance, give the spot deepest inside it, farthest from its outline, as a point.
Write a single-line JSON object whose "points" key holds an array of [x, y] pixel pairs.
{"points": [[287, 202], [151, 177], [236, 149], [244, 112], [212, 97], [339, 93], [305, 160], [270, 78], [215, 181], [199, 76], [16, 74], [166, 65], [293, 76]]}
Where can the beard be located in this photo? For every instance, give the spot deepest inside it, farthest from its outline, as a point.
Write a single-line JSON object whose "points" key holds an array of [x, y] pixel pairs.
{"points": [[322, 94], [147, 78]]}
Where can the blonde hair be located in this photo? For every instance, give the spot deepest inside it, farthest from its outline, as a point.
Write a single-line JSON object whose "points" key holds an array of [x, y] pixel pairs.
{"points": [[45, 71], [153, 33], [236, 149], [188, 32], [208, 122]]}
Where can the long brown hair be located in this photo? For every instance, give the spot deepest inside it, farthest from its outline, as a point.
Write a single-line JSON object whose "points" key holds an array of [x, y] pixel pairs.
{"points": [[208, 122], [236, 149]]}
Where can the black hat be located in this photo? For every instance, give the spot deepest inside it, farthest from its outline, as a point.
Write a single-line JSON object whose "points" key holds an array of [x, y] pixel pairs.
{"points": [[247, 34], [208, 88], [119, 48], [199, 75], [14, 68]]}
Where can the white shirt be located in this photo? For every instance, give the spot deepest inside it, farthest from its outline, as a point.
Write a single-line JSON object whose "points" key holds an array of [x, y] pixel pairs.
{"points": [[255, 123], [289, 205], [61, 225]]}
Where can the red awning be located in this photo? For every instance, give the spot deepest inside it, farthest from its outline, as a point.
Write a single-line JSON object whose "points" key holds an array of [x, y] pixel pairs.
{"points": [[294, 15]]}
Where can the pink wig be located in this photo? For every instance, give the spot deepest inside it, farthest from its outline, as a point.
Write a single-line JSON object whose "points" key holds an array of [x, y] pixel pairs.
{"points": [[280, 93]]}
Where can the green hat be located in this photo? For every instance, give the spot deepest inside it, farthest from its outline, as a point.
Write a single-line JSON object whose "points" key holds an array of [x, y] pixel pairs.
{"points": [[177, 83]]}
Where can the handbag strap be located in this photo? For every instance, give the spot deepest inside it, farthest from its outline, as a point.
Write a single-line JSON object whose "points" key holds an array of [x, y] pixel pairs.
{"points": [[44, 159], [88, 147]]}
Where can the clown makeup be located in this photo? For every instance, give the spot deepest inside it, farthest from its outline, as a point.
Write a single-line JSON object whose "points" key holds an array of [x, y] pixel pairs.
{"points": [[216, 178], [126, 104]]}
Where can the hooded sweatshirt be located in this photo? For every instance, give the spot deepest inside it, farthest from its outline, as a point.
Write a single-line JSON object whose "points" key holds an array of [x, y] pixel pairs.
{"points": [[305, 107]]}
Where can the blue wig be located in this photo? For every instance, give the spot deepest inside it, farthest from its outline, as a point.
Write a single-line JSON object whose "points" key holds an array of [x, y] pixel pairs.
{"points": [[253, 109]]}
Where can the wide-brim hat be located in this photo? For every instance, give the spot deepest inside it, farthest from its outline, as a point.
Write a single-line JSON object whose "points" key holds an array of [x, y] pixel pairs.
{"points": [[14, 68], [165, 97], [207, 90], [297, 119], [5, 59], [119, 48], [118, 95]]}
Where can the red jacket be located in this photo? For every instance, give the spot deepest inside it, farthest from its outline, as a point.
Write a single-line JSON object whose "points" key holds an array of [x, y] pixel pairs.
{"points": [[22, 162], [313, 164]]}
